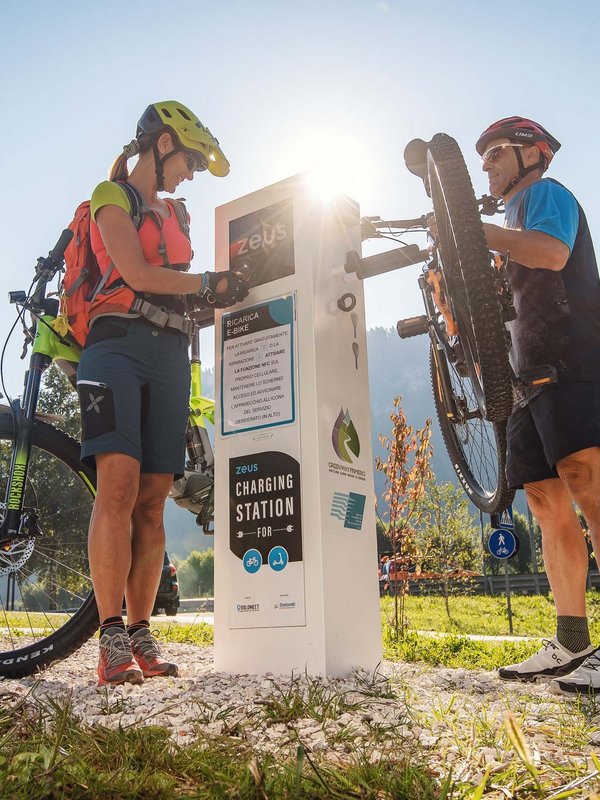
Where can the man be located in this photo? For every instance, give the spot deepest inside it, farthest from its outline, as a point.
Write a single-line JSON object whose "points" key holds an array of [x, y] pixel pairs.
{"points": [[554, 431]]}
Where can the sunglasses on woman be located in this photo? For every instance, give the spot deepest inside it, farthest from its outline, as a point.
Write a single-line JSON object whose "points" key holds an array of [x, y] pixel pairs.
{"points": [[195, 162], [494, 153]]}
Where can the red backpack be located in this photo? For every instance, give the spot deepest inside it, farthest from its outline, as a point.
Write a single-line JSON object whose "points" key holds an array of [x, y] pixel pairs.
{"points": [[82, 279]]}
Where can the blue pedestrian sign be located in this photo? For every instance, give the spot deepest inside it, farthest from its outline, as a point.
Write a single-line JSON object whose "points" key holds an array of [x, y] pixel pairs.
{"points": [[502, 543]]}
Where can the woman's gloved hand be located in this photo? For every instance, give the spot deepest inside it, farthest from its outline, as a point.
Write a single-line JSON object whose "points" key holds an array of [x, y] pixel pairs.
{"points": [[220, 290]]}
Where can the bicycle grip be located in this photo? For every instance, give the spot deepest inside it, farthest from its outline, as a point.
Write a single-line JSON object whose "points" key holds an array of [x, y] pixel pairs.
{"points": [[57, 253]]}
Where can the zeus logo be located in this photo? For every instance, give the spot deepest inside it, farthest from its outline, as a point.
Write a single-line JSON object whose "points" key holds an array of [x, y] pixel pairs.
{"points": [[268, 238]]}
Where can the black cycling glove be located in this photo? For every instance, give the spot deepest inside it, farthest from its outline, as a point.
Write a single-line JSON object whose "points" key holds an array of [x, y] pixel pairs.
{"points": [[236, 290]]}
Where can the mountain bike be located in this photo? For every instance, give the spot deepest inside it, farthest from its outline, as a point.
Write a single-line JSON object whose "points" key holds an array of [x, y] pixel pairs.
{"points": [[468, 299], [47, 605]]}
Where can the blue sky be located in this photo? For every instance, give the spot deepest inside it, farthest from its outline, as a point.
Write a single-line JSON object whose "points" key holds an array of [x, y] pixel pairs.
{"points": [[285, 87]]}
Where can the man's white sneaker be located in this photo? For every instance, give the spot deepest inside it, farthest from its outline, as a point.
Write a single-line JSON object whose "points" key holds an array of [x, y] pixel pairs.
{"points": [[585, 680], [552, 661]]}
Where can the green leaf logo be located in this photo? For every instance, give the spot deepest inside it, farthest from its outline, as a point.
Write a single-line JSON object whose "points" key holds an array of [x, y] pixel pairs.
{"points": [[345, 438]]}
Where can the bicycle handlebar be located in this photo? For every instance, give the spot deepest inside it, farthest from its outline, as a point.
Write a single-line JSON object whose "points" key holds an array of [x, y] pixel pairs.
{"points": [[57, 254]]}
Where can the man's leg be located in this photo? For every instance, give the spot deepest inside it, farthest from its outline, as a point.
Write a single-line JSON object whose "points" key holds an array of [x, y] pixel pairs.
{"points": [[580, 473], [564, 548], [565, 558]]}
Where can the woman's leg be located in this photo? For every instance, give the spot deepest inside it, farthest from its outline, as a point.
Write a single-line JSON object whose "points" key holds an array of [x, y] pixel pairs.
{"points": [[147, 545], [109, 543]]}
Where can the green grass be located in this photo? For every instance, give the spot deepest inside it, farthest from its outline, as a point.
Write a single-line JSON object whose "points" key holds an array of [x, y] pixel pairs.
{"points": [[455, 651], [474, 614], [532, 616], [43, 757]]}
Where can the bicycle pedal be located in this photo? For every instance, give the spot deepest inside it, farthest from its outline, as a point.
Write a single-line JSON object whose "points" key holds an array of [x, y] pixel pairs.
{"points": [[413, 326], [543, 375]]}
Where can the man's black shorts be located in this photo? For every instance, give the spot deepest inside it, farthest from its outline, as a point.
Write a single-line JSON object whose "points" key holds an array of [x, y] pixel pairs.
{"points": [[561, 420]]}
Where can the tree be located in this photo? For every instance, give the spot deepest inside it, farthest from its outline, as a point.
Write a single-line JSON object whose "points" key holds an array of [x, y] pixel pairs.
{"points": [[196, 573], [406, 471], [447, 539]]}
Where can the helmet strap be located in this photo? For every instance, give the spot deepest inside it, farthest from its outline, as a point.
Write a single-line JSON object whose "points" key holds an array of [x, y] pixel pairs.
{"points": [[523, 170], [158, 166]]}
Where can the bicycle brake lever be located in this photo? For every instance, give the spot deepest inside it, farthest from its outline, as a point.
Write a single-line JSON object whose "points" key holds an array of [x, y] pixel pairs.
{"points": [[368, 229]]}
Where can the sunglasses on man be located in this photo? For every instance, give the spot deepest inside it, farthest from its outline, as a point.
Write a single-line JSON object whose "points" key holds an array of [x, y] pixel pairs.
{"points": [[494, 153]]}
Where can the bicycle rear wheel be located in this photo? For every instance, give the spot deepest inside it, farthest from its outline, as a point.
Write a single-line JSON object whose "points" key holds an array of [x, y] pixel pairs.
{"points": [[47, 606], [470, 281], [477, 448]]}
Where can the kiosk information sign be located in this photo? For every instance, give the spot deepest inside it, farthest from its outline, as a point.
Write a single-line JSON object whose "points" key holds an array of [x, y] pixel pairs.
{"points": [[295, 540], [257, 378]]}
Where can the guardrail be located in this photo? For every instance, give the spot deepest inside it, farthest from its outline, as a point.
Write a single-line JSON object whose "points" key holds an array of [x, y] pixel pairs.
{"points": [[489, 584]]}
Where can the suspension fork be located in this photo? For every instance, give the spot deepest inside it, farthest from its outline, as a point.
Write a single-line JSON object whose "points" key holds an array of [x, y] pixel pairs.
{"points": [[24, 419], [198, 447]]}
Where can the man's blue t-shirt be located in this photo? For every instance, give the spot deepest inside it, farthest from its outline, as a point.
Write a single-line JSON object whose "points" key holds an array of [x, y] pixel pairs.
{"points": [[547, 207], [558, 313]]}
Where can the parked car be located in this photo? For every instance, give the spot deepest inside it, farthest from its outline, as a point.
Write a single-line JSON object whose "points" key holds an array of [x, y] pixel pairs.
{"points": [[167, 597]]}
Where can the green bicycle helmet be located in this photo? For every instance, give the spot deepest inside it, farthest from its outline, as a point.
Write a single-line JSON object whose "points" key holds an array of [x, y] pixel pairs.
{"points": [[189, 132]]}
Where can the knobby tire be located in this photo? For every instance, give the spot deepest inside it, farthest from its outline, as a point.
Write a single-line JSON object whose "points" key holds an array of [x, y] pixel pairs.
{"points": [[476, 447], [57, 570], [470, 278]]}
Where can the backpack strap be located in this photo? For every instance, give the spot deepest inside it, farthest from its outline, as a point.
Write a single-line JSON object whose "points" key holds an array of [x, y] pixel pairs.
{"points": [[136, 202], [182, 216], [136, 211]]}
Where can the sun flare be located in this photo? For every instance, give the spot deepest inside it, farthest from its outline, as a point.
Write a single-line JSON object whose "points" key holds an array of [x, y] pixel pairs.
{"points": [[333, 160]]}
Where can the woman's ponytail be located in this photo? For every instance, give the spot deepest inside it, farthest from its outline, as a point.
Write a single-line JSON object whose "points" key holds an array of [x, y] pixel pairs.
{"points": [[119, 170]]}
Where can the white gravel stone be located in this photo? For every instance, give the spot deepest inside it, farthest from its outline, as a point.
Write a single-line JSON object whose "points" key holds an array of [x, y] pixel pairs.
{"points": [[456, 715]]}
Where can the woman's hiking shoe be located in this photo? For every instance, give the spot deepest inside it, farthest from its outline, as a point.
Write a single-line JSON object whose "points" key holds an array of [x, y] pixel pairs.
{"points": [[585, 680], [116, 664], [551, 661], [147, 654]]}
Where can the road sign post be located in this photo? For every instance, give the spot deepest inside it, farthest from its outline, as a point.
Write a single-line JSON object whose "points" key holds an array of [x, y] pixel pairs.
{"points": [[503, 545], [295, 544]]}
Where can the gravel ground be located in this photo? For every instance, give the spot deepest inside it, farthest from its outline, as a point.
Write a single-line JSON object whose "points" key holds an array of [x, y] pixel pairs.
{"points": [[455, 715]]}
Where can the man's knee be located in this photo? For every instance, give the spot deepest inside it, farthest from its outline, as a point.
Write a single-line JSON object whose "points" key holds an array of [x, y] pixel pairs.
{"points": [[581, 472], [547, 500]]}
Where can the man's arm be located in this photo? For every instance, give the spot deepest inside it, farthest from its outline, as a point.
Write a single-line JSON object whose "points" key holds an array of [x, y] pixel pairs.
{"points": [[532, 249]]}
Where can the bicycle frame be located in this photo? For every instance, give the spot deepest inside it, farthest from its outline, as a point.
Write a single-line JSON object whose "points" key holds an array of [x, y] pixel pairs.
{"points": [[49, 346]]}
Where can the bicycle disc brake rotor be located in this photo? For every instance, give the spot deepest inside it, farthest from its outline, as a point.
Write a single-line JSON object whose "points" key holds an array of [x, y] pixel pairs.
{"points": [[15, 554]]}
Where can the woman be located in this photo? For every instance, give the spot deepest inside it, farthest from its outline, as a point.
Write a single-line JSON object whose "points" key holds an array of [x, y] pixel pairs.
{"points": [[133, 378]]}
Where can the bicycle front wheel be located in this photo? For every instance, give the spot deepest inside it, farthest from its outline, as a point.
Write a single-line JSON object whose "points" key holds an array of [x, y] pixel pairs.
{"points": [[481, 346], [477, 448], [47, 606]]}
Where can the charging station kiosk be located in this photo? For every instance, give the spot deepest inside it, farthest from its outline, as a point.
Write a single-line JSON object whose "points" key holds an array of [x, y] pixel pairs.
{"points": [[295, 544]]}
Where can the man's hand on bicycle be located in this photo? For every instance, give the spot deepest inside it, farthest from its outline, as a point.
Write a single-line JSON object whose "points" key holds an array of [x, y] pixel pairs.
{"points": [[220, 290]]}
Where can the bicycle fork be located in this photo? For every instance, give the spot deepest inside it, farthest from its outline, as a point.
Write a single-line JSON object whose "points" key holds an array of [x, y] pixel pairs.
{"points": [[15, 521]]}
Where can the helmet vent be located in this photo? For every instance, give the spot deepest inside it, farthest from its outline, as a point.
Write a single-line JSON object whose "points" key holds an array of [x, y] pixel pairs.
{"points": [[167, 113], [184, 115]]}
